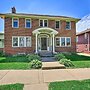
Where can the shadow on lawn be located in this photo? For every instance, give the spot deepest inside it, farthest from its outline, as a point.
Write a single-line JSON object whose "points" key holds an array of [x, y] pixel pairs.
{"points": [[13, 59], [76, 57]]}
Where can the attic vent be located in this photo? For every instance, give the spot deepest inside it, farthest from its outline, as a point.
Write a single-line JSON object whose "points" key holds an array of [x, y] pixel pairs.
{"points": [[13, 10]]}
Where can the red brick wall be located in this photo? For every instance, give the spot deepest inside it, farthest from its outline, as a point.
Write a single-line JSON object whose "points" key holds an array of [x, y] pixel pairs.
{"points": [[22, 31]]}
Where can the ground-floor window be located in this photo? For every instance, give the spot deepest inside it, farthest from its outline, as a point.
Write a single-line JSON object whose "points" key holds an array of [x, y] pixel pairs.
{"points": [[21, 41], [63, 41]]}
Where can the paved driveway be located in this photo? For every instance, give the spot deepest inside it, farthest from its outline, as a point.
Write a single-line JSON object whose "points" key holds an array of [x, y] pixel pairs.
{"points": [[39, 79]]}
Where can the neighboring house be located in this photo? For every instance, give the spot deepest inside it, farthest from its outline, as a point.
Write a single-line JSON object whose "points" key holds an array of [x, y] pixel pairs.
{"points": [[1, 41], [83, 41], [28, 33]]}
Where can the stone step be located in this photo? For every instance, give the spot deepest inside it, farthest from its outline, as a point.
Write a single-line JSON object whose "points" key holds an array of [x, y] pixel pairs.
{"points": [[52, 65], [48, 59], [46, 54]]}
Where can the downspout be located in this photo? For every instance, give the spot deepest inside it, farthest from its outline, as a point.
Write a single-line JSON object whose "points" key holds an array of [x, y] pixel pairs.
{"points": [[88, 42]]}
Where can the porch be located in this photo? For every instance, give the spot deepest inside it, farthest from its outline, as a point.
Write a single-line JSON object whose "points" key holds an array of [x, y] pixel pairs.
{"points": [[45, 39]]}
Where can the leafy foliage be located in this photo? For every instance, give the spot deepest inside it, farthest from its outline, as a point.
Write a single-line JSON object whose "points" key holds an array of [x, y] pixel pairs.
{"points": [[35, 64], [66, 62], [33, 57], [59, 56]]}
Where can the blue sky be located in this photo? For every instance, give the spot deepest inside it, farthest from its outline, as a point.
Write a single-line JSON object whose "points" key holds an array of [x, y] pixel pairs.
{"points": [[73, 8]]}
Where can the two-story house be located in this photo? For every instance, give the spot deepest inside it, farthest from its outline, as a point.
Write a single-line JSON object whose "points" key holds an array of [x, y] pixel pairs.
{"points": [[83, 41], [28, 33]]}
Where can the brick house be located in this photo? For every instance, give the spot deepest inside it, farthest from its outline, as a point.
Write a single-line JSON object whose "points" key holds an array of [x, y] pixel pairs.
{"points": [[83, 41], [29, 33]]}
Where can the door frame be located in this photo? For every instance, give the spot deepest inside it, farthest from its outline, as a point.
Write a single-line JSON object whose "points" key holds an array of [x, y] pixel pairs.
{"points": [[47, 38]]}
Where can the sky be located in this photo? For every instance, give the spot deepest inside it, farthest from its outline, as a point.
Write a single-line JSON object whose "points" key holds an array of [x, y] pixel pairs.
{"points": [[72, 8]]}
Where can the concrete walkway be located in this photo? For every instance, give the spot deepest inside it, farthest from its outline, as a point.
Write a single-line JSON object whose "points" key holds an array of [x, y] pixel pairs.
{"points": [[39, 79]]}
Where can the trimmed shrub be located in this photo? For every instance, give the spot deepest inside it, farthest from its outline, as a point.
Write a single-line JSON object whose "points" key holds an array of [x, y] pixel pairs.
{"points": [[33, 57], [2, 54], [66, 62], [35, 64], [59, 56]]}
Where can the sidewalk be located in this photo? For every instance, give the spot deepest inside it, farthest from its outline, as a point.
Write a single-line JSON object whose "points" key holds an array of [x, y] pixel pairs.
{"points": [[39, 79]]}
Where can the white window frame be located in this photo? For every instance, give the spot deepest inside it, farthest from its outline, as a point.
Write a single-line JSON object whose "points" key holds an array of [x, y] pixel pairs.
{"points": [[24, 41], [65, 42], [13, 20], [55, 41], [30, 22], [43, 22], [70, 26], [59, 24]]}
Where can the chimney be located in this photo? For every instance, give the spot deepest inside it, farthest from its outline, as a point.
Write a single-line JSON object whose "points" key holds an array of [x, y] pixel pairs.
{"points": [[13, 10]]}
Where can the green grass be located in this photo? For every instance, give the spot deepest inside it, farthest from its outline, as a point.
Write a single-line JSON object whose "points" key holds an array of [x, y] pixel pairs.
{"points": [[16, 66], [79, 61], [13, 59], [70, 85], [12, 87]]}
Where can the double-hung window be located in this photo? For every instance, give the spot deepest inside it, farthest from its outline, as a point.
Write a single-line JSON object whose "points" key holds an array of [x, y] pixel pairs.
{"points": [[27, 23], [57, 24], [43, 23], [68, 25], [15, 22]]}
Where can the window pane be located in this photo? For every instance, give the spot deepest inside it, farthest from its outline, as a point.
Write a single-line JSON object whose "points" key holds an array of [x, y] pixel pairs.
{"points": [[62, 41], [15, 41], [21, 41], [68, 41], [57, 24], [15, 23], [45, 23], [57, 41], [67, 25], [28, 41], [41, 23], [28, 24]]}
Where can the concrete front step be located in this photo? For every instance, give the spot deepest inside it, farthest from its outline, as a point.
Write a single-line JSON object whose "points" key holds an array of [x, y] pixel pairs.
{"points": [[52, 65], [46, 54]]}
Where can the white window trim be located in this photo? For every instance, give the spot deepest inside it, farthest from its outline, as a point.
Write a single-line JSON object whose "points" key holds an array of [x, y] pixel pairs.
{"points": [[70, 25], [43, 22], [55, 41], [12, 22], [24, 41], [30, 22], [65, 41], [59, 24]]}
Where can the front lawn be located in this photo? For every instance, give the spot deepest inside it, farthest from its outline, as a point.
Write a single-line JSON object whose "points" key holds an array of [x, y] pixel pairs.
{"points": [[79, 61], [70, 85], [14, 65], [23, 62], [12, 87]]}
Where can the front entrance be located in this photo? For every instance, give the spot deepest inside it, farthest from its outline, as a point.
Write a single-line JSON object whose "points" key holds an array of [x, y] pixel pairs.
{"points": [[43, 43]]}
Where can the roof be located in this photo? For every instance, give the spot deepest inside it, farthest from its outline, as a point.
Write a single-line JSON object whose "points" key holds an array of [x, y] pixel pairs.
{"points": [[38, 16], [82, 32]]}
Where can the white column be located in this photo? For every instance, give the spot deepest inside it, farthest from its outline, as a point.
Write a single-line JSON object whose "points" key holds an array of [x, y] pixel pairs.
{"points": [[53, 44], [36, 43]]}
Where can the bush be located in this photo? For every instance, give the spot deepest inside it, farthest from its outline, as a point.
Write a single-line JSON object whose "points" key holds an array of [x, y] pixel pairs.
{"points": [[33, 57], [66, 62], [35, 64], [59, 56], [2, 54]]}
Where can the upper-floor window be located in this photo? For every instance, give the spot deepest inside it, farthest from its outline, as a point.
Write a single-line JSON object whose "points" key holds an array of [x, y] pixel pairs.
{"points": [[57, 24], [27, 23], [15, 22], [43, 23], [68, 25]]}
